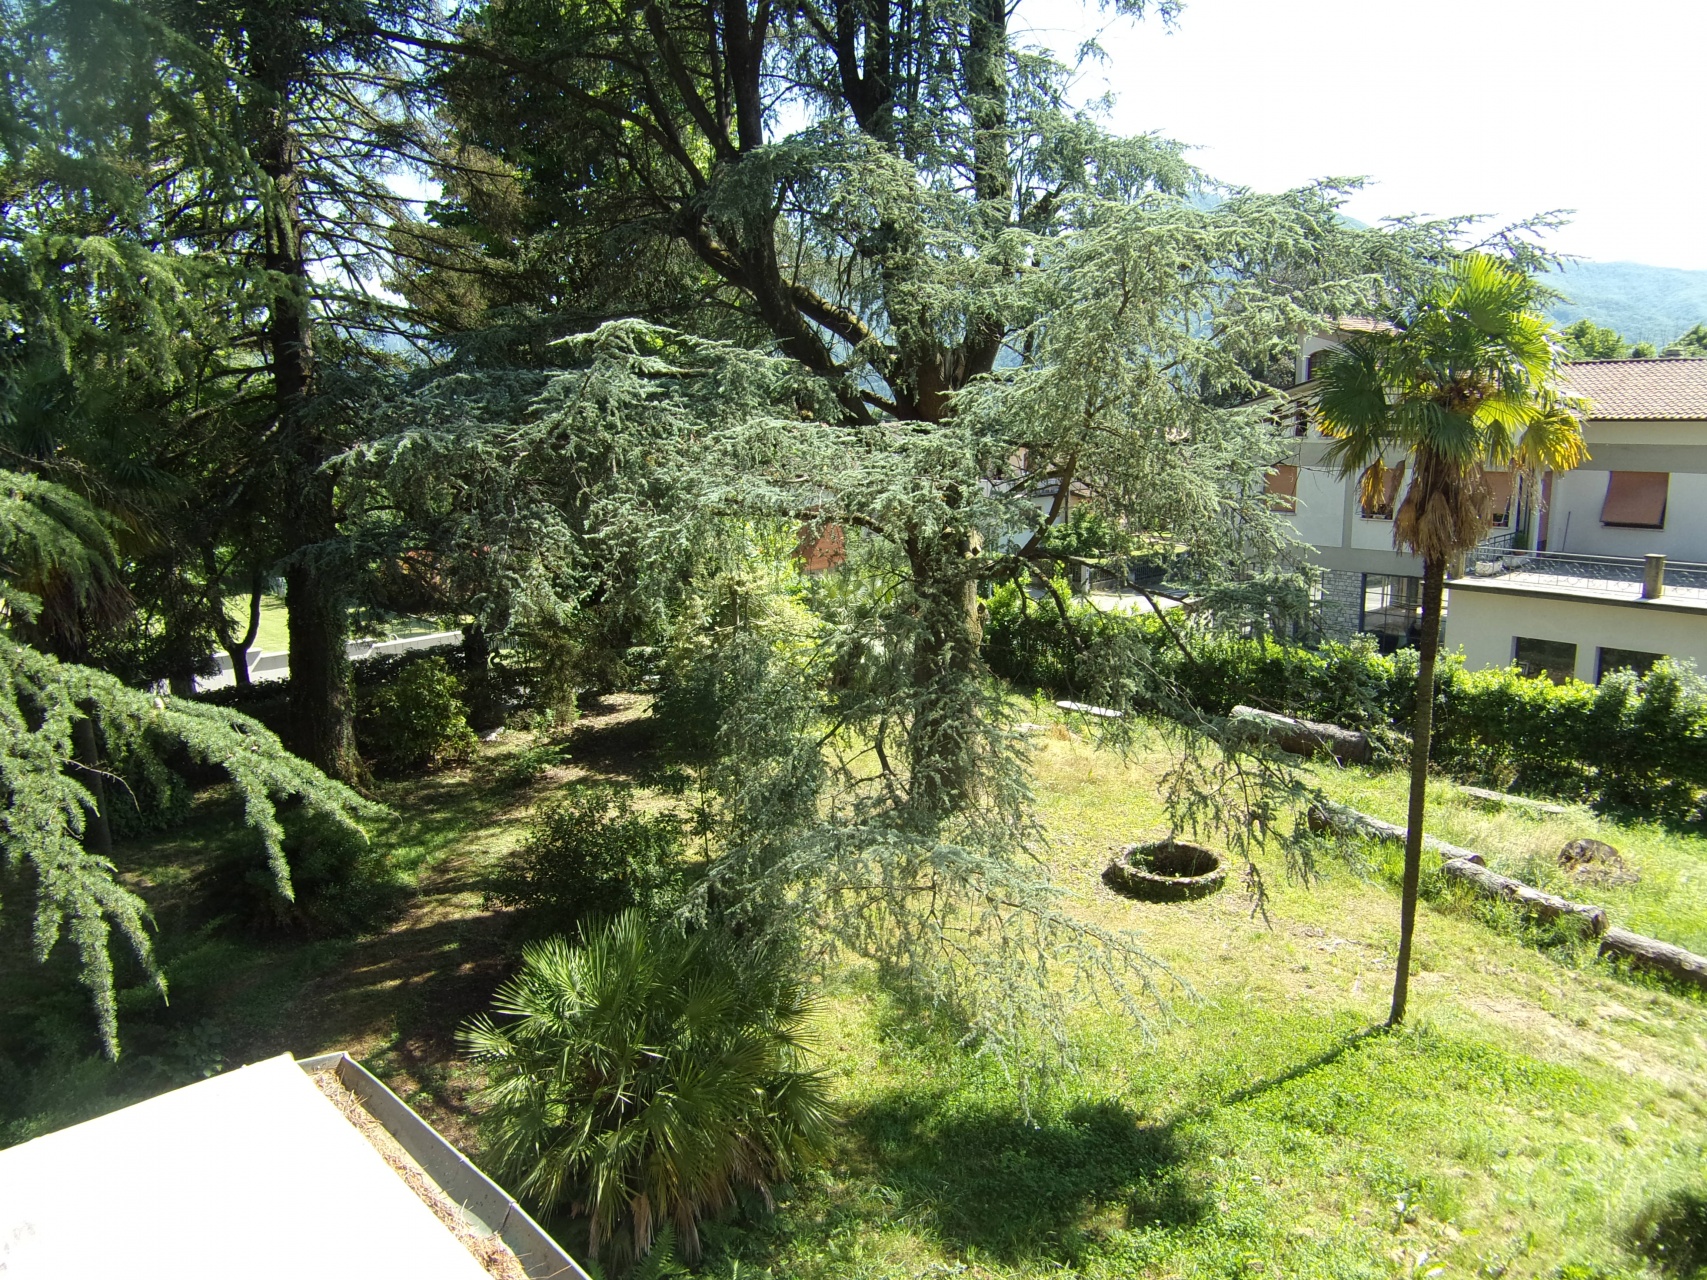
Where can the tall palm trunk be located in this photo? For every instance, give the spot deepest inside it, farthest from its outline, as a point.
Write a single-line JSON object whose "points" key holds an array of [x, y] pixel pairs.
{"points": [[1422, 728]]}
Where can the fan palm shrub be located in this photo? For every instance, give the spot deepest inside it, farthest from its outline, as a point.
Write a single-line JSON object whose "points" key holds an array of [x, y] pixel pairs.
{"points": [[643, 1076], [1468, 378]]}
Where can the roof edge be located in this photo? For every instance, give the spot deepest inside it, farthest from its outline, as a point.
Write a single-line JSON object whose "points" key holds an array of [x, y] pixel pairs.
{"points": [[480, 1198]]}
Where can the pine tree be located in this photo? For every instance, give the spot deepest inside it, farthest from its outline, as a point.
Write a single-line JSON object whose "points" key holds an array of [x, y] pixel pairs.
{"points": [[60, 721]]}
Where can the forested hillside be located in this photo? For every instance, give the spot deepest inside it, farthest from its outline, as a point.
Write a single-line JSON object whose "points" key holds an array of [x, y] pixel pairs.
{"points": [[1644, 303]]}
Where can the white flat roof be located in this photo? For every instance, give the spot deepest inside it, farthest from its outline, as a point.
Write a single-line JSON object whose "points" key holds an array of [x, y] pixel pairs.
{"points": [[253, 1173]]}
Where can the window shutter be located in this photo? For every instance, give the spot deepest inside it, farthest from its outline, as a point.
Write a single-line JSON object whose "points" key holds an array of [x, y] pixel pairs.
{"points": [[1499, 495], [1635, 499], [1281, 486]]}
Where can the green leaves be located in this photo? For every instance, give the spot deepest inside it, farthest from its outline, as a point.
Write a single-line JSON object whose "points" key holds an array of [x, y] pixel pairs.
{"points": [[642, 1076], [41, 830], [1468, 377]]}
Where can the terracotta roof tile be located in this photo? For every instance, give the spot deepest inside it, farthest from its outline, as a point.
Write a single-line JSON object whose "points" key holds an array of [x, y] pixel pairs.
{"points": [[1643, 390]]}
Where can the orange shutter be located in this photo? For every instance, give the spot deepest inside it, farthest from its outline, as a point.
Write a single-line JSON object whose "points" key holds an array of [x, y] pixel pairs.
{"points": [[1281, 486], [826, 551], [1636, 499], [1499, 494]]}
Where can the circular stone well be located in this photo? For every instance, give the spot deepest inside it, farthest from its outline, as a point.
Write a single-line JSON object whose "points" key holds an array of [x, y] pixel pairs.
{"points": [[1165, 871]]}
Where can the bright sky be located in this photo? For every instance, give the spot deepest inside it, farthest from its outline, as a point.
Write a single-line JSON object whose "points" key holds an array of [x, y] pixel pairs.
{"points": [[1504, 107]]}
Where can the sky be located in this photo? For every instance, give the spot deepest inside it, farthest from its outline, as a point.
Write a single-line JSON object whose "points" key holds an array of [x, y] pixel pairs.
{"points": [[1499, 107]]}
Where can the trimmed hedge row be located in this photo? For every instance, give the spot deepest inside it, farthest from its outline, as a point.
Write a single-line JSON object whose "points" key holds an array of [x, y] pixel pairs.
{"points": [[1633, 746]]}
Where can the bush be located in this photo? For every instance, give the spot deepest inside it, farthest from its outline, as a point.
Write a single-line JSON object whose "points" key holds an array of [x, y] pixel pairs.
{"points": [[593, 854], [416, 720], [1629, 746], [645, 1076], [342, 883]]}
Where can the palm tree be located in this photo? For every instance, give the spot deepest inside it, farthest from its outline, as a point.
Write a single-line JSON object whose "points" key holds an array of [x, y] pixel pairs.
{"points": [[644, 1075], [1467, 379]]}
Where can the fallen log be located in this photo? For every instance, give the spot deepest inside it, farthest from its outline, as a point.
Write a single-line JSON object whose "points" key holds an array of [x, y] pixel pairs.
{"points": [[1349, 822], [1546, 905], [1307, 737], [1675, 961], [1501, 799]]}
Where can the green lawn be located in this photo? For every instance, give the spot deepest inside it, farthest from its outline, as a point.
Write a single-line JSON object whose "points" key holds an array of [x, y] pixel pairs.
{"points": [[1255, 1123], [274, 634]]}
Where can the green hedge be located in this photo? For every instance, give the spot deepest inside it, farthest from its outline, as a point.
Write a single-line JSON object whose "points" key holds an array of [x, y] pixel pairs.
{"points": [[1637, 747]]}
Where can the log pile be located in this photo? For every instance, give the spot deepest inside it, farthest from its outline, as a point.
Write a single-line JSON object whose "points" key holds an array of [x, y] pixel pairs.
{"points": [[1349, 822], [1469, 867], [1501, 800], [1307, 737], [1683, 965]]}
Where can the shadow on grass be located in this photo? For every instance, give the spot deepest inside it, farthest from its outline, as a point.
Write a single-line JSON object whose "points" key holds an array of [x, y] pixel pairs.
{"points": [[616, 738], [1326, 1058], [1011, 1188], [1671, 1233]]}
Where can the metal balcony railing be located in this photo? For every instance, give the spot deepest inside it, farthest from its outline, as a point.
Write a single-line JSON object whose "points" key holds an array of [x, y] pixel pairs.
{"points": [[1621, 577]]}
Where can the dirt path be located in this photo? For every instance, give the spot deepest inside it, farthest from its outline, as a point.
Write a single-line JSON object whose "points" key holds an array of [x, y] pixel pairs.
{"points": [[395, 999]]}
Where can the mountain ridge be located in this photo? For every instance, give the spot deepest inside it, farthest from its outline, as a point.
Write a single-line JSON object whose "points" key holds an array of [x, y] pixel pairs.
{"points": [[1644, 303]]}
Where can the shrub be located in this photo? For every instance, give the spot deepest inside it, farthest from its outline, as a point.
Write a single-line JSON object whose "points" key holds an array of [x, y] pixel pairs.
{"points": [[416, 719], [342, 883], [1637, 747], [644, 1076], [592, 853]]}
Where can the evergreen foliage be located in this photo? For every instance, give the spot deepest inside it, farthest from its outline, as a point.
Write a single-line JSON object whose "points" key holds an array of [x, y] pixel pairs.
{"points": [[643, 1076], [1586, 340], [592, 854], [48, 799]]}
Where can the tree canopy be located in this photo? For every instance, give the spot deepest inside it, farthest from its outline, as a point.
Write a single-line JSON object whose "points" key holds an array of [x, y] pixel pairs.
{"points": [[698, 284]]}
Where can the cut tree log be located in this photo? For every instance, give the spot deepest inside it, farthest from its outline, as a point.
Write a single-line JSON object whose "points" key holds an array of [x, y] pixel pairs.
{"points": [[1346, 821], [1501, 799], [1651, 952], [1546, 905], [1307, 737]]}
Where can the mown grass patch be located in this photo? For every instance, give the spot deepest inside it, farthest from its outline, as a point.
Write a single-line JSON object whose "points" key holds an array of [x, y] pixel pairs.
{"points": [[1541, 1116]]}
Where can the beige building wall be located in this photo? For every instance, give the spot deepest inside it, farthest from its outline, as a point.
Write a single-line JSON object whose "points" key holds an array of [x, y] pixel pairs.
{"points": [[1485, 619]]}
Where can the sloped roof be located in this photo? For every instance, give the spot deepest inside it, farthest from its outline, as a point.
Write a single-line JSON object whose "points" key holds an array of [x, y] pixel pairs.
{"points": [[1641, 390]]}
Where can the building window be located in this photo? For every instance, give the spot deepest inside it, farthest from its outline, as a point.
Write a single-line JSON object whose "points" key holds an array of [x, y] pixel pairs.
{"points": [[1635, 499], [1636, 660], [1555, 659], [1499, 497], [1379, 499], [1281, 486], [1392, 610]]}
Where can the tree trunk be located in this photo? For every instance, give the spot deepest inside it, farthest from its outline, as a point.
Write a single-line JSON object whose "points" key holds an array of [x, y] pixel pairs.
{"points": [[97, 832], [238, 650], [485, 708], [942, 738], [321, 711], [1422, 728], [322, 707]]}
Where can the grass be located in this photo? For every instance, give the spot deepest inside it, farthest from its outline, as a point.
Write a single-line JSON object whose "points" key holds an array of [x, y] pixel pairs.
{"points": [[274, 633], [1540, 1116]]}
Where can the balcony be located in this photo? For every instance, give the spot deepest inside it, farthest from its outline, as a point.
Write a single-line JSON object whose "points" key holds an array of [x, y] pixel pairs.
{"points": [[1610, 577]]}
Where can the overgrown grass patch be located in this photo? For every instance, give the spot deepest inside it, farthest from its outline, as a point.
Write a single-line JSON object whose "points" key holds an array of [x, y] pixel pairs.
{"points": [[1540, 1117]]}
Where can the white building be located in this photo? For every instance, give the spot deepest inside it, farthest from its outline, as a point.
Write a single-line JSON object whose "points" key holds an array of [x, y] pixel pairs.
{"points": [[1558, 584]]}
